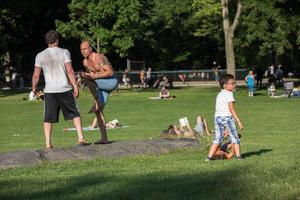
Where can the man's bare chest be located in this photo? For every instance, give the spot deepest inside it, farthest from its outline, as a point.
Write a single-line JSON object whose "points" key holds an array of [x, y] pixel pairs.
{"points": [[92, 66]]}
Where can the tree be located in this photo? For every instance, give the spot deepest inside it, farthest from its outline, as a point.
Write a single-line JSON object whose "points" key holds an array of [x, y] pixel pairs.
{"points": [[169, 41], [229, 29], [7, 22], [109, 25], [270, 32], [209, 12]]}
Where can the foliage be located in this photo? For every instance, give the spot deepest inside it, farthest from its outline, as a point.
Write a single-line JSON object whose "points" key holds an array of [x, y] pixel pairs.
{"points": [[111, 25], [7, 27], [166, 34], [170, 38], [208, 17]]}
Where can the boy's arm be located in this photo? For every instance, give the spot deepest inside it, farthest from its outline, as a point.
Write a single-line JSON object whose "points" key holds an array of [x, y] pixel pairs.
{"points": [[235, 116]]}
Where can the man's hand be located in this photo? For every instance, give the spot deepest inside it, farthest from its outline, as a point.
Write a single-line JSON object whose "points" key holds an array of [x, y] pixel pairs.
{"points": [[87, 76], [76, 93], [34, 91]]}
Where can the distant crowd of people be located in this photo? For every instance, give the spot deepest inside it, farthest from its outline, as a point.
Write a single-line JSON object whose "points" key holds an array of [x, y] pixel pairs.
{"points": [[12, 78], [273, 75]]}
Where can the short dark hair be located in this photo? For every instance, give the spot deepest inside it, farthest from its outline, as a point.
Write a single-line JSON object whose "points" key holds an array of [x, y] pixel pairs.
{"points": [[224, 79], [51, 37]]}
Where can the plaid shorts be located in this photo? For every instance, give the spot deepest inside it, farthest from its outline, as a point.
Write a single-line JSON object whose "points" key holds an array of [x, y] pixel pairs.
{"points": [[221, 123]]}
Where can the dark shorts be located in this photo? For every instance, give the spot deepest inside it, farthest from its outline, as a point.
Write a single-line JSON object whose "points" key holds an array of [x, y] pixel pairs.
{"points": [[65, 101]]}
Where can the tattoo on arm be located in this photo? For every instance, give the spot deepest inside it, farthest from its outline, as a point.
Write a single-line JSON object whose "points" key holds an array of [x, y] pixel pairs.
{"points": [[104, 62]]}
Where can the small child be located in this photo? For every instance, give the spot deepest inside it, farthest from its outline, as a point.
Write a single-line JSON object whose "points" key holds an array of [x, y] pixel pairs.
{"points": [[250, 83], [272, 90], [225, 117]]}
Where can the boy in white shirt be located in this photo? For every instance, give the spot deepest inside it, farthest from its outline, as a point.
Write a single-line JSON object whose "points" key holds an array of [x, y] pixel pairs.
{"points": [[225, 117]]}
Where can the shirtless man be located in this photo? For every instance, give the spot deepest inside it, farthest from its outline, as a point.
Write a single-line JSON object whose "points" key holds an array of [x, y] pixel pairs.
{"points": [[101, 81]]}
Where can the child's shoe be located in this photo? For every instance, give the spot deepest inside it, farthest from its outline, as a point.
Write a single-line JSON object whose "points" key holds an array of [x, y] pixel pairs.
{"points": [[208, 159]]}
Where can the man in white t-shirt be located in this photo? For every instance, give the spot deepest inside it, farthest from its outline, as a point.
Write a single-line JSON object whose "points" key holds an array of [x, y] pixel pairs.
{"points": [[224, 117], [60, 90]]}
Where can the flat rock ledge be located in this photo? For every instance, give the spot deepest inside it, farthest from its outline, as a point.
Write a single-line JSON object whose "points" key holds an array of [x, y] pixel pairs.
{"points": [[114, 149]]}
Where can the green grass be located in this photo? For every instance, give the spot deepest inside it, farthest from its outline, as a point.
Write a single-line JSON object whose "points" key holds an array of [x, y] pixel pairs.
{"points": [[270, 143]]}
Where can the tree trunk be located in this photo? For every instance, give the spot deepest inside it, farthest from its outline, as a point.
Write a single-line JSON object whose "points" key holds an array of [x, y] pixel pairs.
{"points": [[229, 34], [98, 45], [230, 56]]}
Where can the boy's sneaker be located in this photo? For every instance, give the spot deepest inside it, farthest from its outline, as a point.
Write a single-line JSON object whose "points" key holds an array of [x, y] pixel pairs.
{"points": [[208, 159]]}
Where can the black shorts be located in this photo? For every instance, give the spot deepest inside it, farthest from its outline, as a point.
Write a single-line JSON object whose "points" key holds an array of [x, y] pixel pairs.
{"points": [[65, 101]]}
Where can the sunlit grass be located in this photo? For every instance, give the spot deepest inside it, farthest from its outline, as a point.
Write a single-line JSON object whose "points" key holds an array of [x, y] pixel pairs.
{"points": [[269, 143]]}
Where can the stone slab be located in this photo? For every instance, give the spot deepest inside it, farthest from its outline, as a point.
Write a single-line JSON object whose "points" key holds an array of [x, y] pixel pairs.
{"points": [[113, 149]]}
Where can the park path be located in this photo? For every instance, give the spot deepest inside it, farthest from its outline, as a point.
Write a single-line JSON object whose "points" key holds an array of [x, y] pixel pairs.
{"points": [[111, 150]]}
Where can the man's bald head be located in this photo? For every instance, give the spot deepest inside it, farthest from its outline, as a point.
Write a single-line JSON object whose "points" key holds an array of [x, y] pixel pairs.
{"points": [[85, 48]]}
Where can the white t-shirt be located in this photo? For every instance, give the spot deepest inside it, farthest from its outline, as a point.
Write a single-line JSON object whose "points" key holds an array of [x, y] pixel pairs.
{"points": [[148, 75], [222, 100], [52, 61]]}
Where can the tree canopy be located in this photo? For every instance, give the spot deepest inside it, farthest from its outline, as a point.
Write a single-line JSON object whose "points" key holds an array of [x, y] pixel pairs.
{"points": [[170, 34]]}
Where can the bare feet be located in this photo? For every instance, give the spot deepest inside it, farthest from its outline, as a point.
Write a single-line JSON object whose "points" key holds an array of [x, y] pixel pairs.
{"points": [[101, 142], [49, 146], [83, 142]]}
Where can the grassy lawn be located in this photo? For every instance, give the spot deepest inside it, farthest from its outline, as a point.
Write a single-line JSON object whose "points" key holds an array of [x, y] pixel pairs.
{"points": [[270, 144]]}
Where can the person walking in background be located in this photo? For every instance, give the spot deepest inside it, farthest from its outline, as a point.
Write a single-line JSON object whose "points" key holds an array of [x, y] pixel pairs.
{"points": [[148, 76], [225, 117], [250, 83], [142, 78], [279, 75], [101, 82], [60, 87], [259, 76], [216, 73], [125, 79]]}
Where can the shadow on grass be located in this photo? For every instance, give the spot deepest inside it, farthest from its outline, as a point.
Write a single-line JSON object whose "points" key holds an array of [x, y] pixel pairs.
{"points": [[256, 153], [161, 185], [226, 183], [12, 92]]}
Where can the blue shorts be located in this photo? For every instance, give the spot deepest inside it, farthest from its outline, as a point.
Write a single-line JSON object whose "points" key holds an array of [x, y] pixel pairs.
{"points": [[221, 123], [104, 87]]}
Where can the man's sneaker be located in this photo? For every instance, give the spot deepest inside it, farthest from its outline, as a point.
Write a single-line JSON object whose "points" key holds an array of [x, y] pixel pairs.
{"points": [[208, 159]]}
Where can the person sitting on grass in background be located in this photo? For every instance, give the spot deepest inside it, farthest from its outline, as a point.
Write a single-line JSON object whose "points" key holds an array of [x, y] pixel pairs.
{"points": [[185, 130], [250, 83], [180, 131], [201, 126], [111, 124], [272, 90], [39, 95], [225, 117], [164, 93]]}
